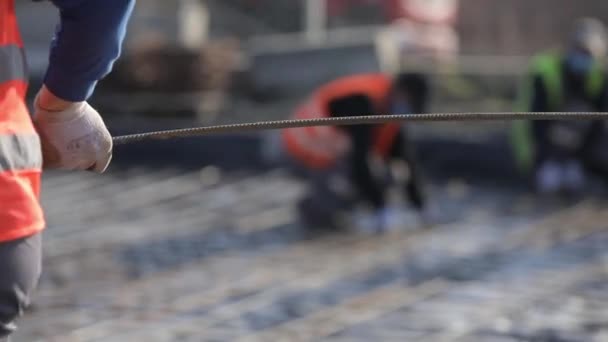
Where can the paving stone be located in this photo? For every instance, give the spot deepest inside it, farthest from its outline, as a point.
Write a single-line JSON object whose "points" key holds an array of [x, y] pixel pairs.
{"points": [[162, 255]]}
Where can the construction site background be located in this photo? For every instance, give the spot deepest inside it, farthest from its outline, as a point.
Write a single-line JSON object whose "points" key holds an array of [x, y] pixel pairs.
{"points": [[198, 239], [226, 61]]}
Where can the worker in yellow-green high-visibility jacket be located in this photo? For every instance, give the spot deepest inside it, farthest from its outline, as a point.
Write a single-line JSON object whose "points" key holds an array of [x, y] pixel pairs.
{"points": [[558, 154]]}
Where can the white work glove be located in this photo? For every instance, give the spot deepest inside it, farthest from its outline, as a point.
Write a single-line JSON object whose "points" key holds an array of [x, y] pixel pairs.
{"points": [[429, 216], [392, 219], [378, 221], [574, 179], [73, 139], [549, 178]]}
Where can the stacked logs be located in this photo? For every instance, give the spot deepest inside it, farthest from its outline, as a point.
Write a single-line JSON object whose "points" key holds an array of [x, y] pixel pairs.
{"points": [[158, 77]]}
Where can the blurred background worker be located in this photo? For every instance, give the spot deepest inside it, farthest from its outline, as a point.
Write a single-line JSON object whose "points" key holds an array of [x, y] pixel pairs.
{"points": [[560, 152], [72, 135], [338, 159]]}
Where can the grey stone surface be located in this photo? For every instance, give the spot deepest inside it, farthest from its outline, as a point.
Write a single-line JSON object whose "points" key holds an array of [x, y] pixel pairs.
{"points": [[146, 254]]}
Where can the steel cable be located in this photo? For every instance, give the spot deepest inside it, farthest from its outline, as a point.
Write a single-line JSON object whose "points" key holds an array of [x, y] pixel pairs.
{"points": [[357, 120]]}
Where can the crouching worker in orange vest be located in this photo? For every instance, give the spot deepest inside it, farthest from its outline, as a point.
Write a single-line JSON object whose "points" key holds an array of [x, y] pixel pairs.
{"points": [[347, 165], [66, 132]]}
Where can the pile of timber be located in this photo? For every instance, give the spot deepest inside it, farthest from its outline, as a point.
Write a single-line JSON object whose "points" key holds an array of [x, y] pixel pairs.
{"points": [[158, 79]]}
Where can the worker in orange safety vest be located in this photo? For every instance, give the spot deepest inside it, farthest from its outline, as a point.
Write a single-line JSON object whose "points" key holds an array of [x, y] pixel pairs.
{"points": [[342, 163], [65, 133]]}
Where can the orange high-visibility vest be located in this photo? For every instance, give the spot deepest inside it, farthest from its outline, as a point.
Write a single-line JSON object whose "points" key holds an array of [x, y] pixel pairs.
{"points": [[20, 152], [321, 147]]}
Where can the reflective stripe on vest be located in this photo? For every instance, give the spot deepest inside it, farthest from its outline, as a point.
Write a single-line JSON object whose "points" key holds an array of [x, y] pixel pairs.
{"points": [[549, 68], [13, 65], [20, 152]]}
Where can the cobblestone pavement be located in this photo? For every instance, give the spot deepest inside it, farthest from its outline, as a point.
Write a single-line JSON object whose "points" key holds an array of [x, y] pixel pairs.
{"points": [[173, 255]]}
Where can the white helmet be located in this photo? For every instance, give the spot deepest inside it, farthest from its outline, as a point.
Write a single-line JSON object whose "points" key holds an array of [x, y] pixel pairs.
{"points": [[590, 35]]}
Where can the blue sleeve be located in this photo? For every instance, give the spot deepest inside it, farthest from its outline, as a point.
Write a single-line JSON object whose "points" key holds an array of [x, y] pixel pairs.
{"points": [[87, 42]]}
